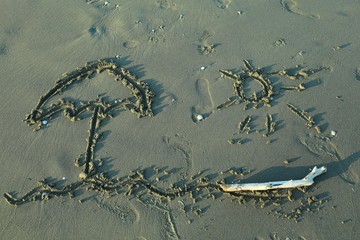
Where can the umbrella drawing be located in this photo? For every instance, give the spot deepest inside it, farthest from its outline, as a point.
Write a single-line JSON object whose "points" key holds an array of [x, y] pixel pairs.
{"points": [[139, 104]]}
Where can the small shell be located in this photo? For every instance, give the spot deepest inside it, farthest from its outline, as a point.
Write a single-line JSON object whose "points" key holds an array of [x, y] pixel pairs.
{"points": [[44, 196], [203, 68], [199, 117], [44, 122], [333, 133]]}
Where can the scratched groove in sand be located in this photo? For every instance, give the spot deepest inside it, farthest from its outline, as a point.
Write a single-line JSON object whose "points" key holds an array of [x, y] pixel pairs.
{"points": [[123, 213], [223, 4], [292, 7]]}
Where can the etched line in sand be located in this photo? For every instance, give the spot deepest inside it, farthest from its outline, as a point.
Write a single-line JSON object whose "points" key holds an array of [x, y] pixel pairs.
{"points": [[179, 144], [166, 4], [292, 6], [357, 73], [205, 104], [203, 45], [169, 228], [270, 125], [4, 50], [123, 213], [305, 116], [223, 4]]}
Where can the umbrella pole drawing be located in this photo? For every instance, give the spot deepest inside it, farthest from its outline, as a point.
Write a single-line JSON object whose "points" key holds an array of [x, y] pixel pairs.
{"points": [[91, 143]]}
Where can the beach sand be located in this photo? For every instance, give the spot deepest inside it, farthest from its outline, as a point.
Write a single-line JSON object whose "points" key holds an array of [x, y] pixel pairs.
{"points": [[178, 47]]}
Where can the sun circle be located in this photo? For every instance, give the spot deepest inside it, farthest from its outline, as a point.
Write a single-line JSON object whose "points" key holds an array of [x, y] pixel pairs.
{"points": [[256, 98]]}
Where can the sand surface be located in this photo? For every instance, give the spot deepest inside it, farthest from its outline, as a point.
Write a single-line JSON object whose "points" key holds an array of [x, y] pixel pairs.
{"points": [[166, 44]]}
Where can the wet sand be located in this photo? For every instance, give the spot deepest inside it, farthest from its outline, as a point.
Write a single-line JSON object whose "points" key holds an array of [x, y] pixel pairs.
{"points": [[178, 48]]}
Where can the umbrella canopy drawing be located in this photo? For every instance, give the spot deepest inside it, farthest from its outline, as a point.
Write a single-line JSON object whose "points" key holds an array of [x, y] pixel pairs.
{"points": [[140, 104]]}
